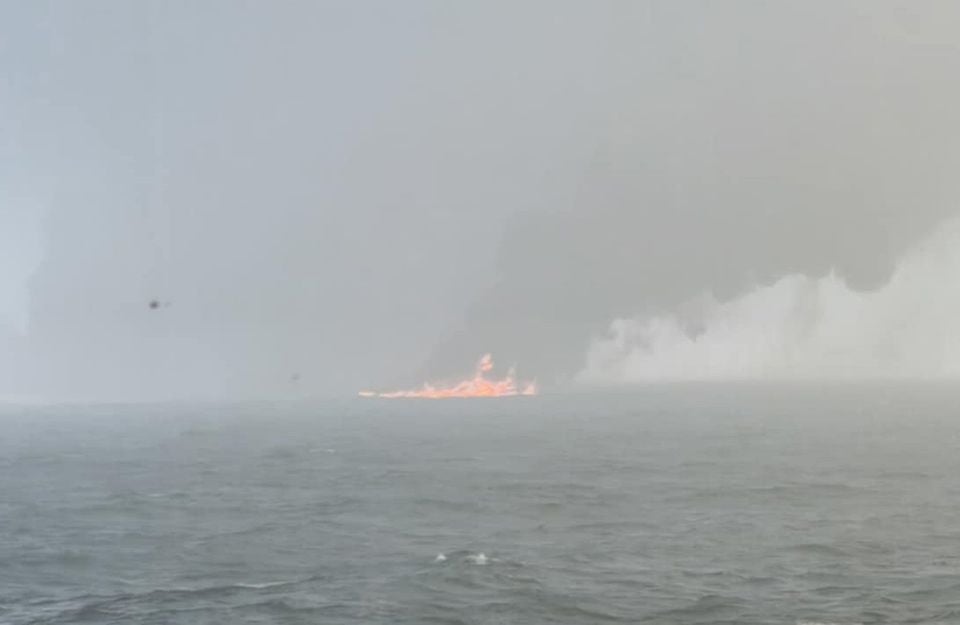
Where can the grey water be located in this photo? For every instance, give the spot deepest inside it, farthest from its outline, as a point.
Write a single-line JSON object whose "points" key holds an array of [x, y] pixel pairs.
{"points": [[675, 504]]}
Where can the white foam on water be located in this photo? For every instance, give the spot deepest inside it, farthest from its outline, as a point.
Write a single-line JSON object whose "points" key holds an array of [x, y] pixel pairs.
{"points": [[440, 558], [263, 585], [478, 558]]}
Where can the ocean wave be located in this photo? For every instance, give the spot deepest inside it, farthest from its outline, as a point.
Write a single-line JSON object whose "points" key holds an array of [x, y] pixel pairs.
{"points": [[712, 606], [102, 607], [819, 549]]}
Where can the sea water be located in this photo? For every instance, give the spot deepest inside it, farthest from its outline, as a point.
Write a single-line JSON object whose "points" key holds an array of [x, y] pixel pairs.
{"points": [[668, 504]]}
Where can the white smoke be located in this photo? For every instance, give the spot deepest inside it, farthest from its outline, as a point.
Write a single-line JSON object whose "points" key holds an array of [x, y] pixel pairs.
{"points": [[802, 328]]}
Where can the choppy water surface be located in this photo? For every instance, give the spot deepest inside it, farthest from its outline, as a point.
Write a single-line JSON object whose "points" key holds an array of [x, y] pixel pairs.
{"points": [[672, 505]]}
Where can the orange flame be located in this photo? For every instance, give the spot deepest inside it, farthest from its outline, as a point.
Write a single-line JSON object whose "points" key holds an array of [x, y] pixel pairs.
{"points": [[477, 386]]}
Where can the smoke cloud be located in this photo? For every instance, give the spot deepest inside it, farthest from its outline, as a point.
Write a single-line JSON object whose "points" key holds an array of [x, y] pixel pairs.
{"points": [[801, 327]]}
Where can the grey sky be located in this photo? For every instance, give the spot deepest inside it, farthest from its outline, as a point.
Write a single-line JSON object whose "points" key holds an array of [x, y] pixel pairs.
{"points": [[367, 192]]}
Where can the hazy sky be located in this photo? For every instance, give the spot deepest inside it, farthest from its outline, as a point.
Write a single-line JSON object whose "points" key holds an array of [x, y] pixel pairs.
{"points": [[364, 193]]}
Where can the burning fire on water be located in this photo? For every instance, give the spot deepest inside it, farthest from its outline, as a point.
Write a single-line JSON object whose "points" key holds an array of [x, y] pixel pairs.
{"points": [[477, 386]]}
